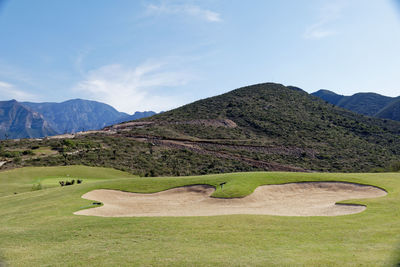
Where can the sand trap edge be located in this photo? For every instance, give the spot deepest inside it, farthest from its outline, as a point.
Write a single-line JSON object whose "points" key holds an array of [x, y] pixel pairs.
{"points": [[209, 187]]}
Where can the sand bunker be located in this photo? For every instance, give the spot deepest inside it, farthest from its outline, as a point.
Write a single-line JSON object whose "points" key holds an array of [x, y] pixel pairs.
{"points": [[294, 199]]}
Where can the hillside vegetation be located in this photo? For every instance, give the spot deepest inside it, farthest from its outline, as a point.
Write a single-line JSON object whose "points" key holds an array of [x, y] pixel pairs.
{"points": [[274, 116], [391, 111], [260, 127], [369, 104]]}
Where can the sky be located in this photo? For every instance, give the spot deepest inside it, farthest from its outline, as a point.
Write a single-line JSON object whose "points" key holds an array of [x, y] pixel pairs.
{"points": [[161, 54]]}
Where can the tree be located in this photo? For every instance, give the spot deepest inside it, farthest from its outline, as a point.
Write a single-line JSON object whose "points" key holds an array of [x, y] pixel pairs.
{"points": [[65, 155]]}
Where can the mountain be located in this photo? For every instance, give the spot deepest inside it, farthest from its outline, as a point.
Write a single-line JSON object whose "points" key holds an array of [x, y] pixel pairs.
{"points": [[137, 115], [260, 127], [16, 121], [390, 111], [76, 115], [370, 104], [82, 115], [329, 96], [287, 125], [27, 119]]}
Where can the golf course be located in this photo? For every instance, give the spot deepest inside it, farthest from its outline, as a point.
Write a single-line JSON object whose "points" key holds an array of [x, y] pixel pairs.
{"points": [[41, 223], [197, 133]]}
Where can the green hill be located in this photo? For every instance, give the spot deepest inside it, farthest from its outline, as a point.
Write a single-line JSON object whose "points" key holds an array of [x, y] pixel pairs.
{"points": [[260, 127], [329, 96], [369, 104], [391, 111], [311, 132]]}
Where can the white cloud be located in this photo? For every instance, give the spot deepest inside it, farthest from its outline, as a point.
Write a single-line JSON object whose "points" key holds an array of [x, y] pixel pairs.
{"points": [[15, 73], [134, 89], [316, 31], [8, 92], [323, 27], [189, 10]]}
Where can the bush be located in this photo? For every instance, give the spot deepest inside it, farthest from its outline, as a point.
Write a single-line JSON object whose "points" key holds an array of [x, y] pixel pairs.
{"points": [[17, 160], [11, 154], [37, 186], [69, 143], [28, 152]]}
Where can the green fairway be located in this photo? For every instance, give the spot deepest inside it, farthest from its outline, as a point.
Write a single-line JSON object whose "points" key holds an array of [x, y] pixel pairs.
{"points": [[22, 180], [38, 227]]}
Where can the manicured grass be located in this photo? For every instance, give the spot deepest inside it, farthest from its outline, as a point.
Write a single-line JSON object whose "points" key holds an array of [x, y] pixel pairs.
{"points": [[21, 180], [54, 181], [38, 228]]}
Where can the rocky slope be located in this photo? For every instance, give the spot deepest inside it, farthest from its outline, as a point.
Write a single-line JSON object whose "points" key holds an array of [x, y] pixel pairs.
{"points": [[27, 119], [17, 121]]}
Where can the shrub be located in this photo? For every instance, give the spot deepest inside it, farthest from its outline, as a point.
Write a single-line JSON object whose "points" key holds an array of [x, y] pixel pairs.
{"points": [[37, 186], [17, 160], [28, 152]]}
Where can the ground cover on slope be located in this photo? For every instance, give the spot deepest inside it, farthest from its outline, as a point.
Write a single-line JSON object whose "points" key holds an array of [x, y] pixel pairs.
{"points": [[39, 228], [292, 199]]}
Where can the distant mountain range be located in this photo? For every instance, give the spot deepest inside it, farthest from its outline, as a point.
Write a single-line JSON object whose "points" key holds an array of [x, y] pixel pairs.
{"points": [[17, 121], [31, 120], [370, 104]]}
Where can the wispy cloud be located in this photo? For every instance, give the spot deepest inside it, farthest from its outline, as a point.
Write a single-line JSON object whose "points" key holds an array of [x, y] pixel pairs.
{"points": [[322, 28], [133, 89], [8, 92], [79, 59], [189, 10], [11, 72]]}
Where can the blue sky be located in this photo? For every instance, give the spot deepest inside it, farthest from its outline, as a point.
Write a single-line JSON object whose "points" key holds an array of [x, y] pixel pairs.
{"points": [[160, 54]]}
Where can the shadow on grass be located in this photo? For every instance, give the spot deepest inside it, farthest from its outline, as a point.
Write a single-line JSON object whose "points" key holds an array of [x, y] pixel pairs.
{"points": [[396, 258]]}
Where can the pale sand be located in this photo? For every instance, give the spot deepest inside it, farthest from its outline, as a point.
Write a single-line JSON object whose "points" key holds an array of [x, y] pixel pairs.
{"points": [[293, 199]]}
